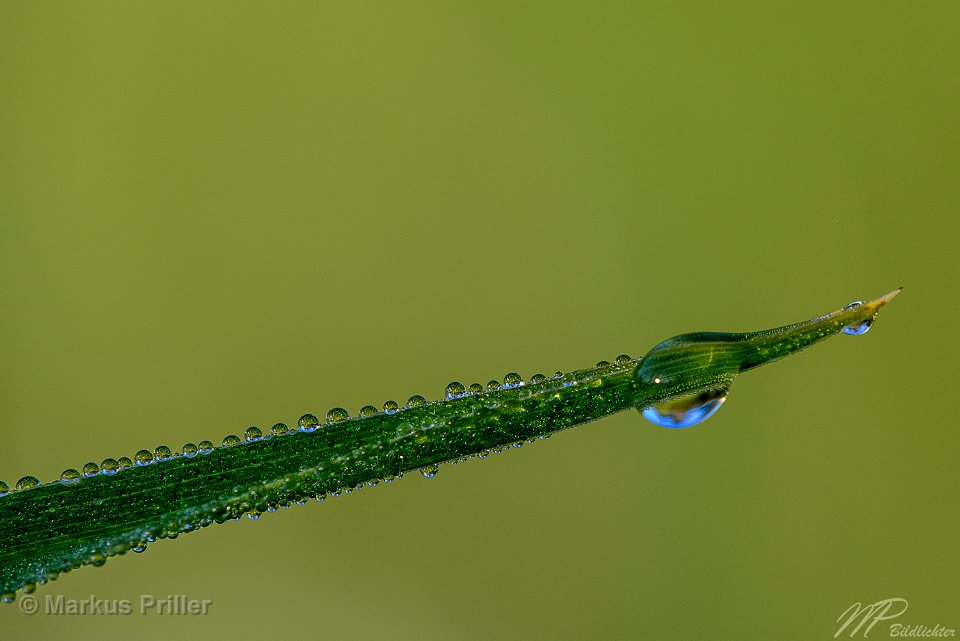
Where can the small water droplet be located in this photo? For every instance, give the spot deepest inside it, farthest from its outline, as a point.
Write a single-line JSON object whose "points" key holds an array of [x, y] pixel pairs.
{"points": [[475, 388], [139, 547], [4, 488], [279, 429], [205, 447], [70, 475], [623, 359], [603, 364], [253, 516], [860, 327], [231, 440], [308, 423], [162, 453], [416, 401], [96, 559], [252, 434], [429, 471], [493, 386], [109, 466], [390, 407], [91, 469], [686, 411], [8, 597], [537, 378], [189, 450], [337, 415], [512, 380], [368, 410], [124, 462], [143, 457], [27, 482], [455, 390]]}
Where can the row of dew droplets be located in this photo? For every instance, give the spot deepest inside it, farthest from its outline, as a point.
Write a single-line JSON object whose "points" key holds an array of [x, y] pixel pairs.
{"points": [[306, 423]]}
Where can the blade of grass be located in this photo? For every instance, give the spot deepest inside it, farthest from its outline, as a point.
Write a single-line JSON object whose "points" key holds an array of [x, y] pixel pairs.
{"points": [[50, 528]]}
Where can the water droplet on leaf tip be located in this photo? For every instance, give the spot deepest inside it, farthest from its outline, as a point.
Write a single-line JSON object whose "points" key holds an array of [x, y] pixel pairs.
{"points": [[860, 327], [685, 411]]}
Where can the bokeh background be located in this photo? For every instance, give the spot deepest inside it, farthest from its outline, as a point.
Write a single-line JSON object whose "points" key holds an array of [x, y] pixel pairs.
{"points": [[216, 215]]}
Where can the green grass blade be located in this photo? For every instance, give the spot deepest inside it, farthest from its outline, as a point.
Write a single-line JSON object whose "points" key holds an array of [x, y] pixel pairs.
{"points": [[50, 528]]}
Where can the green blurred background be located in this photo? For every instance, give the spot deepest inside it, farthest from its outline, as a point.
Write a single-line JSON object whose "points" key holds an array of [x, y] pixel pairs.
{"points": [[215, 215]]}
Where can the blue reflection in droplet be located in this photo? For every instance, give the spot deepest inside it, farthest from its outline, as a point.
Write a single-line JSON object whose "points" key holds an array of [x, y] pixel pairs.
{"points": [[686, 411], [857, 328]]}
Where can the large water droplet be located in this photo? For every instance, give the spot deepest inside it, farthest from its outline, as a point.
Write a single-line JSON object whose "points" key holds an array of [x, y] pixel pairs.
{"points": [[390, 407], [860, 327], [475, 388], [686, 411], [455, 390], [493, 386], [143, 457], [109, 466], [70, 475], [252, 434], [205, 447], [189, 450], [231, 440], [537, 378], [367, 411], [124, 462], [337, 415], [308, 423], [162, 453], [279, 429], [91, 469]]}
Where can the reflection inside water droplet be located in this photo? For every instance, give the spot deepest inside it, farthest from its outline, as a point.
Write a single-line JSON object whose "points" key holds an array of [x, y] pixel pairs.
{"points": [[860, 327], [686, 411]]}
